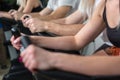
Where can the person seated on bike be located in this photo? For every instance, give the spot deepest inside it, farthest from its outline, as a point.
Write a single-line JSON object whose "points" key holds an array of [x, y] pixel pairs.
{"points": [[35, 57]]}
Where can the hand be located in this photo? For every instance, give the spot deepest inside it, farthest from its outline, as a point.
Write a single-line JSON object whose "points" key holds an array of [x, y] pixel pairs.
{"points": [[35, 25], [5, 14], [36, 58], [16, 42], [25, 18], [17, 15], [12, 11]]}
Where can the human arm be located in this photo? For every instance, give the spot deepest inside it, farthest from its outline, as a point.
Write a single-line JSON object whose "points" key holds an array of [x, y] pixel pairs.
{"points": [[62, 29], [58, 13], [65, 27], [37, 58], [59, 21], [59, 8], [85, 35], [74, 18], [36, 25], [89, 65], [49, 14], [45, 11], [71, 42], [5, 14], [76, 42], [29, 6], [20, 9]]}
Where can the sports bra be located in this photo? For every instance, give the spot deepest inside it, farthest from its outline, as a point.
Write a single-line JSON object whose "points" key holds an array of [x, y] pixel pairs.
{"points": [[112, 33]]}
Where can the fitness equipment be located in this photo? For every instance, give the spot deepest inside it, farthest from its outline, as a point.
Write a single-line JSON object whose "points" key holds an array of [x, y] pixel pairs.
{"points": [[17, 70]]}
